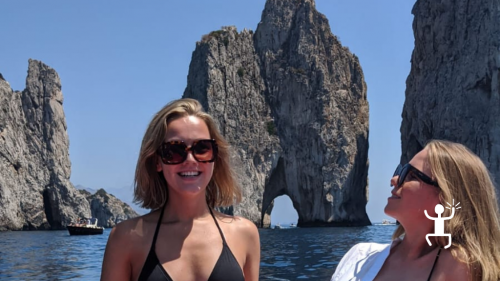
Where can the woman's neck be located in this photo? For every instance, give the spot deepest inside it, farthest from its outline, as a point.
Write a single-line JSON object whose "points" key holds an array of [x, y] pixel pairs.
{"points": [[414, 244], [183, 208]]}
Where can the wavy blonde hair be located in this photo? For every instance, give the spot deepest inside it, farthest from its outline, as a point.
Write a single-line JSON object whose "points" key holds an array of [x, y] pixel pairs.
{"points": [[475, 228], [150, 186]]}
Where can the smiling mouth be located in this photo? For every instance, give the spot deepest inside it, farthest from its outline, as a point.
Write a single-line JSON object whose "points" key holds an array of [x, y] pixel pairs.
{"points": [[394, 197], [189, 174]]}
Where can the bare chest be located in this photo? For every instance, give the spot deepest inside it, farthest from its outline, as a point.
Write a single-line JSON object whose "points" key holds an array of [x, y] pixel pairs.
{"points": [[183, 254], [398, 271]]}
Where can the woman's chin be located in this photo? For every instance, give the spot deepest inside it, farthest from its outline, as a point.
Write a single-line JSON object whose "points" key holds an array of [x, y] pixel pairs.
{"points": [[390, 212], [192, 189], [189, 190]]}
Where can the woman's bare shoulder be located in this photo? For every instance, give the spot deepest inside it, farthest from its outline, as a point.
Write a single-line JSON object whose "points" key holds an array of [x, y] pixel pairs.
{"points": [[133, 228], [126, 247], [238, 224], [453, 267]]}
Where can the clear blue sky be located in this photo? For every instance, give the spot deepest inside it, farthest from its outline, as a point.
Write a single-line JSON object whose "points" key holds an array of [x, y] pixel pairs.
{"points": [[121, 61]]}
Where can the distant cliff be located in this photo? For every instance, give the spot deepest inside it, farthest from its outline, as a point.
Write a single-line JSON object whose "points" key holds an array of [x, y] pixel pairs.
{"points": [[35, 191], [453, 90], [108, 209], [291, 100]]}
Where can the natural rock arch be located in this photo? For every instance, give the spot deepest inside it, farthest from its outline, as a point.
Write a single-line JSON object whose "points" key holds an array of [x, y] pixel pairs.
{"points": [[291, 100]]}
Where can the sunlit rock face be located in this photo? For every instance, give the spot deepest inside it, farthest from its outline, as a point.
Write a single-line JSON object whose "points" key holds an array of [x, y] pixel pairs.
{"points": [[35, 191], [453, 90], [34, 155], [291, 100]]}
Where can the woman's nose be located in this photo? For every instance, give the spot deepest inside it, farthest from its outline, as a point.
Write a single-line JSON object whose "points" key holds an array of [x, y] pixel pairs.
{"points": [[190, 157], [394, 181]]}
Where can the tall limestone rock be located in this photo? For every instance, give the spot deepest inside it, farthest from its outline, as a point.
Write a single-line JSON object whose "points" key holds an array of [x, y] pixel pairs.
{"points": [[225, 77], [453, 90], [292, 102], [35, 191]]}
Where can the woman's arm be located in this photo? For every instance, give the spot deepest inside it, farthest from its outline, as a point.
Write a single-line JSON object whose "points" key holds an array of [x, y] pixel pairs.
{"points": [[252, 263], [116, 264]]}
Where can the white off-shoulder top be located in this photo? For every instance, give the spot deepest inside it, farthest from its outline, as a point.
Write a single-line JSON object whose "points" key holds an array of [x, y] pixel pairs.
{"points": [[363, 262]]}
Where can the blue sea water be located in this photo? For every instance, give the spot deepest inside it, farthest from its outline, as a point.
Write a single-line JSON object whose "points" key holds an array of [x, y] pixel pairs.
{"points": [[286, 254]]}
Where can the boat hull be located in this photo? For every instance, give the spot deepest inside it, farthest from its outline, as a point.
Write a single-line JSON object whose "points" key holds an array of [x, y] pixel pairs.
{"points": [[77, 230]]}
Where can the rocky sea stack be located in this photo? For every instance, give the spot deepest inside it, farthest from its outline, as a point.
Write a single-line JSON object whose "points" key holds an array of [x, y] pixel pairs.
{"points": [[291, 100], [35, 191], [453, 90]]}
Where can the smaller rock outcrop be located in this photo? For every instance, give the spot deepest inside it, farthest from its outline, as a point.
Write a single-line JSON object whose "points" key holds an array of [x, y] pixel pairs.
{"points": [[108, 209]]}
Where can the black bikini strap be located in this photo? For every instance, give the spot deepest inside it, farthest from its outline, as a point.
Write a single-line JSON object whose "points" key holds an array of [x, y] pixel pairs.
{"points": [[217, 224], [434, 265], [158, 227]]}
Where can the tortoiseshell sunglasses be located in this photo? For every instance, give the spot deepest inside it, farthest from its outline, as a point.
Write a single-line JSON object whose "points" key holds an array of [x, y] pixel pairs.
{"points": [[176, 152]]}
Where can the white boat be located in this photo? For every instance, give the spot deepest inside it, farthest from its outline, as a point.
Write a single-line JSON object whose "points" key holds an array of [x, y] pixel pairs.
{"points": [[386, 222], [85, 227], [278, 226]]}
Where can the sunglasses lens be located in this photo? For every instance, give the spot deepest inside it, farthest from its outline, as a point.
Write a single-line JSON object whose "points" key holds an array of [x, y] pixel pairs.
{"points": [[398, 170], [176, 152], [173, 153], [403, 173], [203, 150]]}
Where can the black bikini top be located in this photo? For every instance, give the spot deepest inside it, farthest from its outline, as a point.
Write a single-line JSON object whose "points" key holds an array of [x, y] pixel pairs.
{"points": [[434, 265], [226, 268]]}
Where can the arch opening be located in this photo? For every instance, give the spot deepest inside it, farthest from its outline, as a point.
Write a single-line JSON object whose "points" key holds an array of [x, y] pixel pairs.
{"points": [[283, 214], [286, 210]]}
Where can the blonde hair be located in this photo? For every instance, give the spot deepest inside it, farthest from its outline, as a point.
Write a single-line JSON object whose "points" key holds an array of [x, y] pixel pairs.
{"points": [[151, 188], [475, 227]]}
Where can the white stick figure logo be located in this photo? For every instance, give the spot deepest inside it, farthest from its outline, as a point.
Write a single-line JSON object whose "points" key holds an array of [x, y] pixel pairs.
{"points": [[439, 222]]}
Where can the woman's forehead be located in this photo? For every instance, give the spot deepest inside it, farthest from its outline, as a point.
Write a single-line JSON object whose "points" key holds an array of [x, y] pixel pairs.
{"points": [[187, 128], [421, 161]]}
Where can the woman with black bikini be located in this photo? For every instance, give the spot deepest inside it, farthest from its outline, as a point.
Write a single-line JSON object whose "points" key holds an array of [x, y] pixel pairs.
{"points": [[183, 174]]}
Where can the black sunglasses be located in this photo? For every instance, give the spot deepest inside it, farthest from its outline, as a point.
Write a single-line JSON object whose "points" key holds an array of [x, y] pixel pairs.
{"points": [[176, 152], [402, 172]]}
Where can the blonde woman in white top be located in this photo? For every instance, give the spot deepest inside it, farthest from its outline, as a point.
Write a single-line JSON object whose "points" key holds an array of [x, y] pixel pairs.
{"points": [[442, 173]]}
